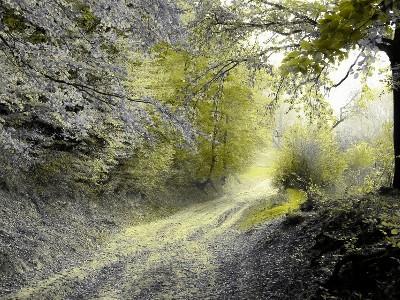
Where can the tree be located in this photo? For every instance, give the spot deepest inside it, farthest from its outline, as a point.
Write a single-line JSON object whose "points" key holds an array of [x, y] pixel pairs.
{"points": [[316, 35], [63, 100], [225, 110], [357, 24]]}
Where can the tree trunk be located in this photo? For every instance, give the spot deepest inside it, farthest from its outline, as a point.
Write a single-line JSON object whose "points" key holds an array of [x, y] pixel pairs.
{"points": [[395, 65], [225, 158], [213, 154], [396, 133]]}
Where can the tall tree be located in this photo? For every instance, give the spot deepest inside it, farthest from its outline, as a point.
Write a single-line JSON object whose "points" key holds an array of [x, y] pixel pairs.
{"points": [[315, 35], [357, 24], [63, 84]]}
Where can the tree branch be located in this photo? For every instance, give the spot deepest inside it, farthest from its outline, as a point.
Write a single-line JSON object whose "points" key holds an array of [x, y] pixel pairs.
{"points": [[295, 13], [344, 112], [348, 71]]}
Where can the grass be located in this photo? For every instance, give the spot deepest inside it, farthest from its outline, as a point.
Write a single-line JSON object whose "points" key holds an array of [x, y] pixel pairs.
{"points": [[273, 207]]}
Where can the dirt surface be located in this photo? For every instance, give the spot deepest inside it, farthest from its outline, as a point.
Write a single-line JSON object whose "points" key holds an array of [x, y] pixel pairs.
{"points": [[203, 252], [180, 257], [198, 253]]}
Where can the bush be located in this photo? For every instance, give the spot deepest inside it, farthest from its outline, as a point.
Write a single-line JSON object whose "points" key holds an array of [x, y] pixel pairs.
{"points": [[68, 174], [370, 165], [360, 160], [309, 159], [384, 158], [146, 172]]}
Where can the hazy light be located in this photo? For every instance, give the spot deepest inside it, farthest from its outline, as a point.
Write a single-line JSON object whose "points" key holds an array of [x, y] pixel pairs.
{"points": [[339, 96]]}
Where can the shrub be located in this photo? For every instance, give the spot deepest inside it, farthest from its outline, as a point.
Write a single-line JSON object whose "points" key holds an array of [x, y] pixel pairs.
{"points": [[309, 159], [360, 156], [384, 155], [370, 165], [146, 172], [68, 174], [360, 160]]}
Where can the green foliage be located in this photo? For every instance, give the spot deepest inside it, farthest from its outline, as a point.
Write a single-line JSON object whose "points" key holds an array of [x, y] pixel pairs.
{"points": [[384, 154], [65, 122], [68, 174], [390, 227], [225, 111], [13, 21], [162, 75], [273, 207], [38, 37], [339, 30], [87, 21], [81, 168], [309, 159], [360, 159], [360, 156], [370, 165], [17, 23], [233, 126], [146, 171]]}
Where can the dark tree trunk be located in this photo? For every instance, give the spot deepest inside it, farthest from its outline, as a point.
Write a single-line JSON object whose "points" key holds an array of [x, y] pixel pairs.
{"points": [[213, 154], [394, 55], [396, 134], [225, 158]]}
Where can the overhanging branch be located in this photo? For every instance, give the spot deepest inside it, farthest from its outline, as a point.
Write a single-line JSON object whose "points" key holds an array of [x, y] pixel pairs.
{"points": [[348, 71]]}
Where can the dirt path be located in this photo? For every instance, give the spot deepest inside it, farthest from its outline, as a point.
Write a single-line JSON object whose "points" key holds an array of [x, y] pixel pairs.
{"points": [[193, 254]]}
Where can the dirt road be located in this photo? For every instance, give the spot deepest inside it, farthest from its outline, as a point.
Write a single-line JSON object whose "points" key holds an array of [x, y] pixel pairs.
{"points": [[198, 253]]}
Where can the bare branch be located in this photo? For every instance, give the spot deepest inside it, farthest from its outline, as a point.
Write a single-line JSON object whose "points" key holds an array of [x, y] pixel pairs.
{"points": [[345, 112], [348, 71]]}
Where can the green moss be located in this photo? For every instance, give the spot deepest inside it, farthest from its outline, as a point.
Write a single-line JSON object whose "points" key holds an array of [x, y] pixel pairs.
{"points": [[273, 207]]}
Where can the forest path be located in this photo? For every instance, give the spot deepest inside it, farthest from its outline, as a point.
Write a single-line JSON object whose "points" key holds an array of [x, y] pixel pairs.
{"points": [[189, 255]]}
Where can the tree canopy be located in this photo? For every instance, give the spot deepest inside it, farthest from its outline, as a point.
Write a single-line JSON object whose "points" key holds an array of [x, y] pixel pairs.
{"points": [[97, 84], [314, 37]]}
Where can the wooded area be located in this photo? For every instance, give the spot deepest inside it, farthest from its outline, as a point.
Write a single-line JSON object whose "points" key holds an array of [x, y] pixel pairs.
{"points": [[263, 115]]}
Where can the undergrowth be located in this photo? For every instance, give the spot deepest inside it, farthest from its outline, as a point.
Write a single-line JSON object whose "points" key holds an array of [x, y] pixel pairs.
{"points": [[355, 253], [273, 207]]}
